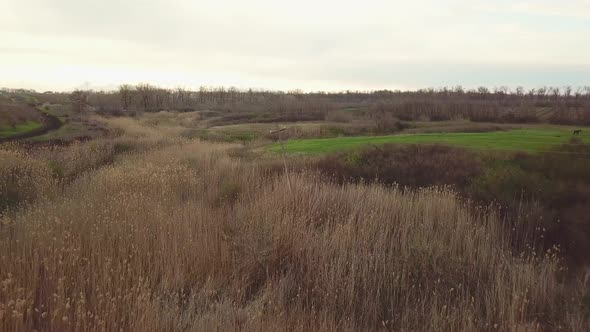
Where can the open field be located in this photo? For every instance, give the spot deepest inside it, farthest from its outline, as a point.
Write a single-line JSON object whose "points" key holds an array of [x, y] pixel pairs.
{"points": [[74, 128], [251, 131], [17, 118], [245, 132], [72, 125], [149, 230], [530, 140], [62, 112], [148, 226], [264, 128], [19, 128]]}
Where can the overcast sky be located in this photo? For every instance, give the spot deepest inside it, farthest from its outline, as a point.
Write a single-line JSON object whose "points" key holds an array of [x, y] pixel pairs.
{"points": [[308, 44]]}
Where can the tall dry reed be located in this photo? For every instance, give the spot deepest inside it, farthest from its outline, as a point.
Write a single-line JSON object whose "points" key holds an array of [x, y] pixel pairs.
{"points": [[176, 235]]}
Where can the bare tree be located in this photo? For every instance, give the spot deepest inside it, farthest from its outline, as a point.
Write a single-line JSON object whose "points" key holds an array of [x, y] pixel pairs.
{"points": [[483, 91], [145, 92], [556, 92], [79, 100], [126, 93], [542, 92], [567, 91]]}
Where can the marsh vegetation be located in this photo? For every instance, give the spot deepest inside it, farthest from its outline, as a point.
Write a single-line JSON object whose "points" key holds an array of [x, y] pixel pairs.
{"points": [[152, 225]]}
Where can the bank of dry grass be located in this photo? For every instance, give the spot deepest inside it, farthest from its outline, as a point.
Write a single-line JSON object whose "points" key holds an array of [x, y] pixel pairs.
{"points": [[173, 234]]}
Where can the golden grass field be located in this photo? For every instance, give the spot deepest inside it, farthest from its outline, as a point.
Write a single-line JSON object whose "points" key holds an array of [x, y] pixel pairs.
{"points": [[149, 231]]}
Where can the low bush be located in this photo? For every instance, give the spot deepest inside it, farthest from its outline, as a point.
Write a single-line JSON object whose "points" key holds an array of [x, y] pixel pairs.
{"points": [[559, 181]]}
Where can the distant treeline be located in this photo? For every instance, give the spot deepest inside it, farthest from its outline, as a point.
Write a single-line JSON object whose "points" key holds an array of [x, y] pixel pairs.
{"points": [[563, 105]]}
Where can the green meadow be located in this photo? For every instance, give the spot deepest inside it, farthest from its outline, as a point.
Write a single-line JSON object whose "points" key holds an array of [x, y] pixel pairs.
{"points": [[19, 129], [530, 140]]}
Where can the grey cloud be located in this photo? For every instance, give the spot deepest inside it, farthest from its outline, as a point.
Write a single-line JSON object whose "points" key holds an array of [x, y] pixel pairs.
{"points": [[378, 43]]}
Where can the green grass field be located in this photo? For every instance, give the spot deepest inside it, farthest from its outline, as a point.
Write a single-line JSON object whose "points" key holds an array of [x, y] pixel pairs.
{"points": [[62, 112], [531, 140], [19, 129]]}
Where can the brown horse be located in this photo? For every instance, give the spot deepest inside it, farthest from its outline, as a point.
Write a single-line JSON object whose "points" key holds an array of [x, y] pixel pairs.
{"points": [[577, 132]]}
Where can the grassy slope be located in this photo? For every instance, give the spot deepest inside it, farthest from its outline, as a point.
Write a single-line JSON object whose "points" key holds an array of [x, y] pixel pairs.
{"points": [[19, 128], [532, 140], [73, 126], [58, 111], [264, 128]]}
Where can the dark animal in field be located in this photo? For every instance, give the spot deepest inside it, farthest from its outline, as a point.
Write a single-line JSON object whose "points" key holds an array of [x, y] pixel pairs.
{"points": [[577, 132]]}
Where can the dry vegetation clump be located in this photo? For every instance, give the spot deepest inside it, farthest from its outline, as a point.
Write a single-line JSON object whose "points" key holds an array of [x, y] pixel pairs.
{"points": [[413, 165], [546, 194], [30, 171], [565, 116], [179, 236], [23, 179], [445, 110], [559, 181]]}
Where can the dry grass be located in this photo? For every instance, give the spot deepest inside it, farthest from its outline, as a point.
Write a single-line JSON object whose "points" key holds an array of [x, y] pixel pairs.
{"points": [[175, 235]]}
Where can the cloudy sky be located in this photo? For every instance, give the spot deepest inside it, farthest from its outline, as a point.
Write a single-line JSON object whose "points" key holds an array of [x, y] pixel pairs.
{"points": [[307, 44]]}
